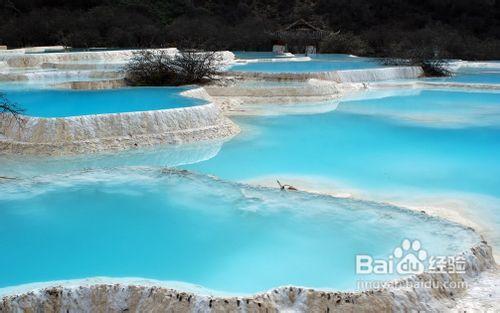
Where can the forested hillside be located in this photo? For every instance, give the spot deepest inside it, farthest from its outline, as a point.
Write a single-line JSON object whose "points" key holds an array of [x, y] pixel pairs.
{"points": [[468, 29]]}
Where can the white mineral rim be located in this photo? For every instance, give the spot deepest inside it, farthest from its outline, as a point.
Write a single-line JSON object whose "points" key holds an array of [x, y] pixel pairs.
{"points": [[103, 294], [140, 295], [117, 131]]}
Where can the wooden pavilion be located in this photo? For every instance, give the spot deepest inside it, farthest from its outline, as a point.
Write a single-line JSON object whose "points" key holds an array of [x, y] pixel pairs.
{"points": [[299, 37]]}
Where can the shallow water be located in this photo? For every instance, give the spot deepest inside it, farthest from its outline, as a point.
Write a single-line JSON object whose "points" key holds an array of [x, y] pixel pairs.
{"points": [[123, 222], [368, 137], [431, 108], [426, 143], [318, 63], [64, 103], [182, 227], [255, 55], [474, 75], [160, 156]]}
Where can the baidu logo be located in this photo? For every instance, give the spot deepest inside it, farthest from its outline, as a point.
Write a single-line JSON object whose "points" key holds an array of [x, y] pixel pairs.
{"points": [[410, 258]]}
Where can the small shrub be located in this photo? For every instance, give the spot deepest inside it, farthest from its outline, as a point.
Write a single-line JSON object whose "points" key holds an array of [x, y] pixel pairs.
{"points": [[435, 67], [426, 58], [431, 67], [159, 68]]}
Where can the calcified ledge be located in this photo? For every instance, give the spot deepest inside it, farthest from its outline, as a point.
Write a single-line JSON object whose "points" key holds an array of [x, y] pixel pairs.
{"points": [[315, 87], [434, 85], [341, 76], [111, 295], [92, 84], [86, 60], [118, 131], [313, 90], [240, 99], [48, 76], [36, 60], [423, 292]]}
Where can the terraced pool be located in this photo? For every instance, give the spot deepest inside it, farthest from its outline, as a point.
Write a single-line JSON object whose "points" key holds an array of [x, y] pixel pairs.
{"points": [[441, 146], [125, 215], [318, 63], [65, 103], [210, 234]]}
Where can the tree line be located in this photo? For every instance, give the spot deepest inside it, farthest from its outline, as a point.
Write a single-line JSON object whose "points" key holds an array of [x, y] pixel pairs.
{"points": [[466, 29]]}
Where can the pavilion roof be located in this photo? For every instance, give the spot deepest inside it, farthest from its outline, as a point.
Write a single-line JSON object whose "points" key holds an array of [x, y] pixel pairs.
{"points": [[301, 25], [301, 29]]}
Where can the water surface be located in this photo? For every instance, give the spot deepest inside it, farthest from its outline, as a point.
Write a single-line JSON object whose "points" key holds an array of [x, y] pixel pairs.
{"points": [[417, 144], [182, 227], [64, 103], [474, 75], [126, 221], [318, 63]]}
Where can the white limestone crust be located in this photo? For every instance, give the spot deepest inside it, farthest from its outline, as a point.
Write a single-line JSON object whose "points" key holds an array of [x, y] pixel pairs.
{"points": [[51, 76], [35, 60], [311, 91], [342, 76], [400, 296], [92, 85], [21, 60], [118, 131]]}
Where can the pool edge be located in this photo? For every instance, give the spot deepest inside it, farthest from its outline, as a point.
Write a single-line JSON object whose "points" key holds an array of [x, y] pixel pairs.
{"points": [[154, 296], [110, 294], [116, 131]]}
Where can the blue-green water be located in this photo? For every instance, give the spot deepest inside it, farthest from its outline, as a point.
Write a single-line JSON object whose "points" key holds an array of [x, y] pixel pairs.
{"points": [[430, 108], [318, 63], [64, 103], [375, 142], [255, 55], [474, 76], [487, 77], [137, 222], [194, 229], [430, 144]]}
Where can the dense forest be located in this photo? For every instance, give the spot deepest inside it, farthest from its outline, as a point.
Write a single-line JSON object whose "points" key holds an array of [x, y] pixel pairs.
{"points": [[466, 29]]}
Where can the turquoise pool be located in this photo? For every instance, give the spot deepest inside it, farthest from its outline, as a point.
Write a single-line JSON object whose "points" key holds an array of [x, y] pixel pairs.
{"points": [[375, 142], [421, 149], [220, 236], [65, 103], [429, 108], [474, 76], [119, 215], [318, 63], [255, 55]]}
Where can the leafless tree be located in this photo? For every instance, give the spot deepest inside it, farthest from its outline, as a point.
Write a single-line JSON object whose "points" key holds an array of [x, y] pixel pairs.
{"points": [[9, 111], [160, 68]]}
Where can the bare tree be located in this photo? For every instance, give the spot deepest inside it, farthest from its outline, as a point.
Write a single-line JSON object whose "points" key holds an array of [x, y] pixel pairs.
{"points": [[9, 111], [160, 68]]}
